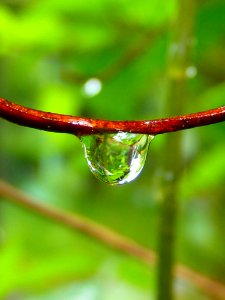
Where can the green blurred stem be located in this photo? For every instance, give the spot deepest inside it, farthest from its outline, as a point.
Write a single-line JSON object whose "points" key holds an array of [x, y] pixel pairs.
{"points": [[179, 60]]}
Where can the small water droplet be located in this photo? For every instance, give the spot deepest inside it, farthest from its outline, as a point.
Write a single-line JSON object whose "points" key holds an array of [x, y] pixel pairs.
{"points": [[191, 71], [116, 158], [92, 87]]}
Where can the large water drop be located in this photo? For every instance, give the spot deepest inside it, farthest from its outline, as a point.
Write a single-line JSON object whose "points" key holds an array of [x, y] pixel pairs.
{"points": [[116, 158]]}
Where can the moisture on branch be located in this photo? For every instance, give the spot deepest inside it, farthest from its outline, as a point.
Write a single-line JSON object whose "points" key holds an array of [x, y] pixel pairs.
{"points": [[83, 126]]}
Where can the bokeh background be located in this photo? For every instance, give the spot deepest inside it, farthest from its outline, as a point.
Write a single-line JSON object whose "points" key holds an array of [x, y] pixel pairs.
{"points": [[107, 59]]}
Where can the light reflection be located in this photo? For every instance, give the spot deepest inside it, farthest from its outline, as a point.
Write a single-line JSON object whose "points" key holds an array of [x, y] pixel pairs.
{"points": [[92, 87], [191, 71]]}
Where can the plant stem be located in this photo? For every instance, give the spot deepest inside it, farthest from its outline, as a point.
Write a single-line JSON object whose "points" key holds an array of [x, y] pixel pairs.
{"points": [[82, 126], [179, 60]]}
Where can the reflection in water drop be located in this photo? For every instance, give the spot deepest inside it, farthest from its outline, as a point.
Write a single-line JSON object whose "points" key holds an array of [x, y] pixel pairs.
{"points": [[116, 158]]}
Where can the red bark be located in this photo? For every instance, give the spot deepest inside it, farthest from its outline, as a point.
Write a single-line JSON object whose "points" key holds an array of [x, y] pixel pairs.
{"points": [[82, 126]]}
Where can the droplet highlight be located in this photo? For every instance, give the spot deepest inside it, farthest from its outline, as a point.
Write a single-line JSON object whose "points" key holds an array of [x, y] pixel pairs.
{"points": [[191, 71], [92, 87], [116, 158]]}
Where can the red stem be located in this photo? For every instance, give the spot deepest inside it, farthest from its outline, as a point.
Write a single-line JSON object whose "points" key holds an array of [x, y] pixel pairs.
{"points": [[82, 126]]}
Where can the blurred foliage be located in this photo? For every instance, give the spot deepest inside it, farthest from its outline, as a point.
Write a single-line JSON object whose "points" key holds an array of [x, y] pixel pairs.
{"points": [[48, 51]]}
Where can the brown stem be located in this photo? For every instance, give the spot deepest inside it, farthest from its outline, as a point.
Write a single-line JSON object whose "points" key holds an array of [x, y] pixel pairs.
{"points": [[82, 126], [107, 236]]}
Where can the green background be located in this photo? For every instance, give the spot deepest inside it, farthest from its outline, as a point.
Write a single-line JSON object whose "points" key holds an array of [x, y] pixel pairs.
{"points": [[48, 51]]}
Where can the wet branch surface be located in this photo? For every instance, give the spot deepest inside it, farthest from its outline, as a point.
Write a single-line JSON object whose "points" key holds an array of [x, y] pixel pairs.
{"points": [[83, 126], [107, 236]]}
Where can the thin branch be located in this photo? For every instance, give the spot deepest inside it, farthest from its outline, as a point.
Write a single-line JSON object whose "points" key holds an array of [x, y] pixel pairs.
{"points": [[82, 126], [107, 236], [75, 221]]}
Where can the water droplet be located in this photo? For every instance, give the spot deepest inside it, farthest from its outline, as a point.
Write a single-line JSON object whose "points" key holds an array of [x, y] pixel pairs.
{"points": [[92, 87], [191, 71], [116, 158]]}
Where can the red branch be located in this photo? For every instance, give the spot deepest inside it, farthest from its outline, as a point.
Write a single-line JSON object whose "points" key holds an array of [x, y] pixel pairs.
{"points": [[82, 126]]}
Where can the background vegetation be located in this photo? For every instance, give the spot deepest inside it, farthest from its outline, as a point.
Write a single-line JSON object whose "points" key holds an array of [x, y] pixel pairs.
{"points": [[49, 50]]}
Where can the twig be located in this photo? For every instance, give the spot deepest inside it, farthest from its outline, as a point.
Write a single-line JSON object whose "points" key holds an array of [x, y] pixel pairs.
{"points": [[107, 236], [80, 126], [75, 221]]}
